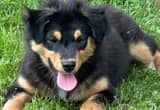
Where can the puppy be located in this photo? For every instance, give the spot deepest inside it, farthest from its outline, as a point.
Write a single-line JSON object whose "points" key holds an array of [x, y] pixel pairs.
{"points": [[79, 53]]}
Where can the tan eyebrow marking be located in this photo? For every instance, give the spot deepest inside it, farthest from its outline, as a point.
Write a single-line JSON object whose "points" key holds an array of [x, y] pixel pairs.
{"points": [[77, 34], [57, 34]]}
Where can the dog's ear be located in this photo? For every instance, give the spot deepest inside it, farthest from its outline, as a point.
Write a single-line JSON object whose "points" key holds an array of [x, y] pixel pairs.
{"points": [[98, 22], [35, 21]]}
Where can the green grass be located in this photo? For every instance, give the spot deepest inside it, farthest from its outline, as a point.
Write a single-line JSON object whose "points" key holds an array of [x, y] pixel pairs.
{"points": [[140, 91]]}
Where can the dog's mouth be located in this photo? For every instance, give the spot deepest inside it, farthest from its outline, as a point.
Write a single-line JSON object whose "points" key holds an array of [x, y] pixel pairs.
{"points": [[65, 81]]}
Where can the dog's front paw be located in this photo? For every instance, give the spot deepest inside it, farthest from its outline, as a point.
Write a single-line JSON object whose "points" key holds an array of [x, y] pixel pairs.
{"points": [[92, 104]]}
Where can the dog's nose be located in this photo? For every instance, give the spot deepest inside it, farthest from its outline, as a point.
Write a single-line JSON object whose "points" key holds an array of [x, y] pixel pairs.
{"points": [[68, 66]]}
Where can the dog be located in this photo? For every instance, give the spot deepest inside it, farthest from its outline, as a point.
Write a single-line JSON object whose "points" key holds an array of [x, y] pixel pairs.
{"points": [[79, 53]]}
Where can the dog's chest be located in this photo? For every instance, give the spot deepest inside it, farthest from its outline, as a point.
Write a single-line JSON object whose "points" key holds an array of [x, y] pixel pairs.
{"points": [[75, 95], [78, 94], [63, 94]]}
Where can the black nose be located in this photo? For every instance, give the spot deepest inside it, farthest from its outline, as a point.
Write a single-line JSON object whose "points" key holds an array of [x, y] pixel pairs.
{"points": [[68, 66]]}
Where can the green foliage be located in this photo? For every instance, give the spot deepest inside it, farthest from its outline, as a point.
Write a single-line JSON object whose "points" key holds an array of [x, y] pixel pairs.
{"points": [[140, 91]]}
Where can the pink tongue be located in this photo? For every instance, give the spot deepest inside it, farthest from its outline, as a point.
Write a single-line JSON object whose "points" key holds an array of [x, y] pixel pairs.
{"points": [[66, 82]]}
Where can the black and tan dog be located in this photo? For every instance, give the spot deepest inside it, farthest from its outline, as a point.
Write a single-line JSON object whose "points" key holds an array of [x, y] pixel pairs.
{"points": [[78, 53]]}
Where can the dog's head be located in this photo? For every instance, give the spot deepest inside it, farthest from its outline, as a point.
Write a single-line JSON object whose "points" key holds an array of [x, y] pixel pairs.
{"points": [[64, 35]]}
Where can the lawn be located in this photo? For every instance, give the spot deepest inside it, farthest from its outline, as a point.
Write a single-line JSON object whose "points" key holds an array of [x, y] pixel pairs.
{"points": [[139, 91]]}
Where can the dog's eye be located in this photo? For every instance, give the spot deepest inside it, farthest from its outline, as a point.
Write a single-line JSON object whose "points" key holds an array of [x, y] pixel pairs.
{"points": [[51, 40]]}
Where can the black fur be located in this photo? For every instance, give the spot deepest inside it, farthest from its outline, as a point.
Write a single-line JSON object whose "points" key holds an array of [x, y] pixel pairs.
{"points": [[14, 90]]}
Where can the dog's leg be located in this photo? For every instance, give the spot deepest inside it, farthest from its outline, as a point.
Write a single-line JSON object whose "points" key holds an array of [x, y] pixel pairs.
{"points": [[157, 60], [96, 102], [157, 3], [18, 94], [93, 103], [141, 52]]}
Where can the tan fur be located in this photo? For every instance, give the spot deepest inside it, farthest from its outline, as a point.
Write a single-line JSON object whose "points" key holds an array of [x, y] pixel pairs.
{"points": [[141, 52], [83, 55], [157, 60], [77, 34], [57, 35], [91, 104], [99, 85], [17, 102], [83, 92], [45, 54], [39, 48], [26, 85]]}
